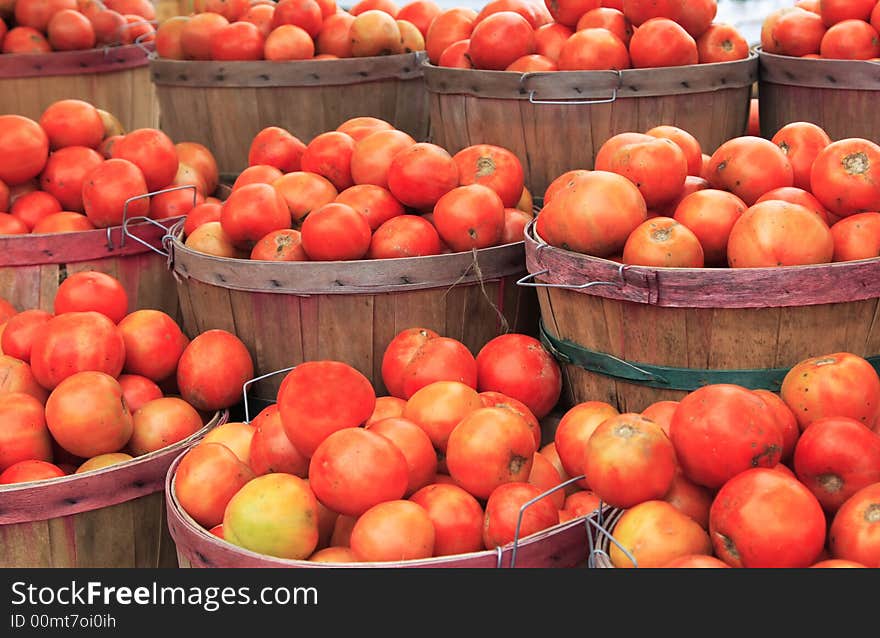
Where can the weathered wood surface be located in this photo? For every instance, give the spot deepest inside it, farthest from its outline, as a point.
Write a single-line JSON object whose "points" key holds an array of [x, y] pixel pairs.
{"points": [[115, 79], [564, 545], [838, 95], [112, 517], [552, 133], [224, 105], [746, 328]]}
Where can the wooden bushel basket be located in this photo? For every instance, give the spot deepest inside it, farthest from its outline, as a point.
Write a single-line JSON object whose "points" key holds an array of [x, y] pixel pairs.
{"points": [[290, 312], [557, 121], [223, 105], [838, 95], [563, 545], [115, 79], [112, 517], [633, 335], [33, 266]]}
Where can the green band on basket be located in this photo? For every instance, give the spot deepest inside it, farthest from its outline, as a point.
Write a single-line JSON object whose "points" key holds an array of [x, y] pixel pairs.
{"points": [[664, 377]]}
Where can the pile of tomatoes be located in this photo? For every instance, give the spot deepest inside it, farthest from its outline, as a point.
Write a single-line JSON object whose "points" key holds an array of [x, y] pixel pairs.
{"points": [[75, 168], [42, 26], [363, 191], [740, 478], [577, 35], [831, 29], [656, 200], [441, 466], [295, 30], [90, 384]]}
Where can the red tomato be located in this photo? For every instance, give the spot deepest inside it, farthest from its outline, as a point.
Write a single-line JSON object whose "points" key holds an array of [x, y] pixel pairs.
{"points": [[690, 498], [421, 174], [207, 478], [252, 212], [399, 353], [212, 370], [24, 435], [138, 390], [72, 123], [470, 217], [492, 399], [154, 344], [108, 187], [271, 450], [855, 530], [161, 423], [503, 508], [151, 151], [92, 290], [785, 419], [417, 449], [492, 166], [439, 407], [574, 431], [439, 359], [19, 333], [65, 174], [24, 149], [457, 517], [404, 236], [28, 471], [395, 530]]}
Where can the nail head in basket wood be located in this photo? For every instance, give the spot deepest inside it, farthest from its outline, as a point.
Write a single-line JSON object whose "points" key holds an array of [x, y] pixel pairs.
{"points": [[538, 115], [112, 517], [115, 79], [291, 312], [564, 545], [33, 266], [713, 319], [223, 105], [838, 95]]}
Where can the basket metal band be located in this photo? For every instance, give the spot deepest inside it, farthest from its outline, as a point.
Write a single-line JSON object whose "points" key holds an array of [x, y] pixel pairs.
{"points": [[665, 377]]}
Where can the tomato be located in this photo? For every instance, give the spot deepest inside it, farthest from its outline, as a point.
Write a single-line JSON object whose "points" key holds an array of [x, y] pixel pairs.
{"points": [[835, 457], [24, 149], [796, 33], [237, 41], [760, 238], [229, 9], [692, 561], [161, 423], [439, 407], [502, 517], [372, 156], [833, 563], [212, 370], [568, 12], [658, 167], [449, 26], [304, 192], [396, 530], [274, 146], [532, 64], [154, 344], [252, 212], [108, 187], [844, 177], [318, 398], [271, 450], [663, 242], [376, 204], [840, 384], [24, 435], [546, 478], [762, 518], [721, 430], [749, 167], [11, 225], [354, 469], [138, 390], [850, 40], [65, 173], [87, 415], [574, 431], [457, 517], [550, 38], [794, 195], [654, 533], [607, 18], [103, 460], [417, 449], [421, 174], [33, 207], [16, 377], [69, 30], [72, 123], [689, 498], [721, 43], [30, 470], [499, 39], [801, 142], [93, 290], [492, 166], [211, 239], [195, 39], [375, 33], [169, 35], [594, 215], [404, 236], [857, 237], [834, 11], [688, 144], [710, 215], [333, 38], [257, 174], [855, 530], [208, 476], [335, 232], [360, 127], [469, 217], [489, 447], [76, 342], [660, 42], [535, 13], [152, 152], [661, 413], [201, 214], [785, 419], [201, 159], [235, 435], [276, 515], [63, 222], [18, 335], [398, 355], [579, 504], [455, 55], [491, 399], [593, 50], [386, 408], [334, 555], [440, 359]]}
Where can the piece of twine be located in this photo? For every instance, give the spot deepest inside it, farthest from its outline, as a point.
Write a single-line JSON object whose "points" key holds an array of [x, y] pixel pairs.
{"points": [[503, 324]]}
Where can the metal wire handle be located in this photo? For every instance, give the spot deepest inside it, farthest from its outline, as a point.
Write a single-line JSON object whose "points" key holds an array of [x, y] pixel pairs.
{"points": [[126, 220], [524, 281], [249, 382], [574, 101], [597, 522]]}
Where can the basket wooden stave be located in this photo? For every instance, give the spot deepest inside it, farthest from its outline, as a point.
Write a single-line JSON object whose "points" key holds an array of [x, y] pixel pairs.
{"points": [[223, 105], [287, 313], [557, 121], [112, 517], [734, 325], [115, 79]]}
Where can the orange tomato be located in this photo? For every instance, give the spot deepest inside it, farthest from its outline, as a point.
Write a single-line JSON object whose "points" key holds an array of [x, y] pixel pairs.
{"points": [[710, 215]]}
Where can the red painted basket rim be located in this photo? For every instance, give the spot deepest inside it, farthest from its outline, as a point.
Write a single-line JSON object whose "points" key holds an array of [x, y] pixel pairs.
{"points": [[838, 282], [64, 496], [103, 60], [180, 523]]}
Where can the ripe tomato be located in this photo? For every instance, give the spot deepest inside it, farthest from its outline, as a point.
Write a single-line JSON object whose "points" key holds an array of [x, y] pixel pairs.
{"points": [[489, 447], [857, 237], [850, 40], [404, 236], [354, 469], [545, 477], [76, 342], [208, 476], [801, 142], [455, 55], [440, 359], [329, 155], [420, 13], [238, 41], [449, 26], [304, 192], [271, 450], [201, 214], [502, 518], [280, 245], [607, 18], [492, 399], [87, 415], [33, 207], [195, 39], [839, 384], [375, 203], [398, 355], [794, 195], [212, 370], [235, 435], [834, 11], [386, 408], [760, 238], [710, 215], [93, 290], [393, 531], [492, 166], [333, 39], [568, 12], [655, 533], [574, 431], [63, 222], [375, 33], [844, 177], [211, 239], [274, 146], [30, 470], [201, 159], [762, 518], [855, 530], [107, 188], [24, 149], [549, 39], [593, 50], [372, 155], [24, 435], [721, 430], [417, 449], [360, 127], [252, 212], [457, 517], [661, 413], [72, 123], [335, 232], [65, 173], [499, 39], [439, 407], [469, 217], [785, 419], [721, 43], [70, 30], [16, 377], [660, 42], [20, 331], [421, 174], [154, 344], [318, 398], [138, 390], [161, 423], [658, 167], [152, 152], [257, 174], [748, 167], [663, 242], [690, 498]]}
